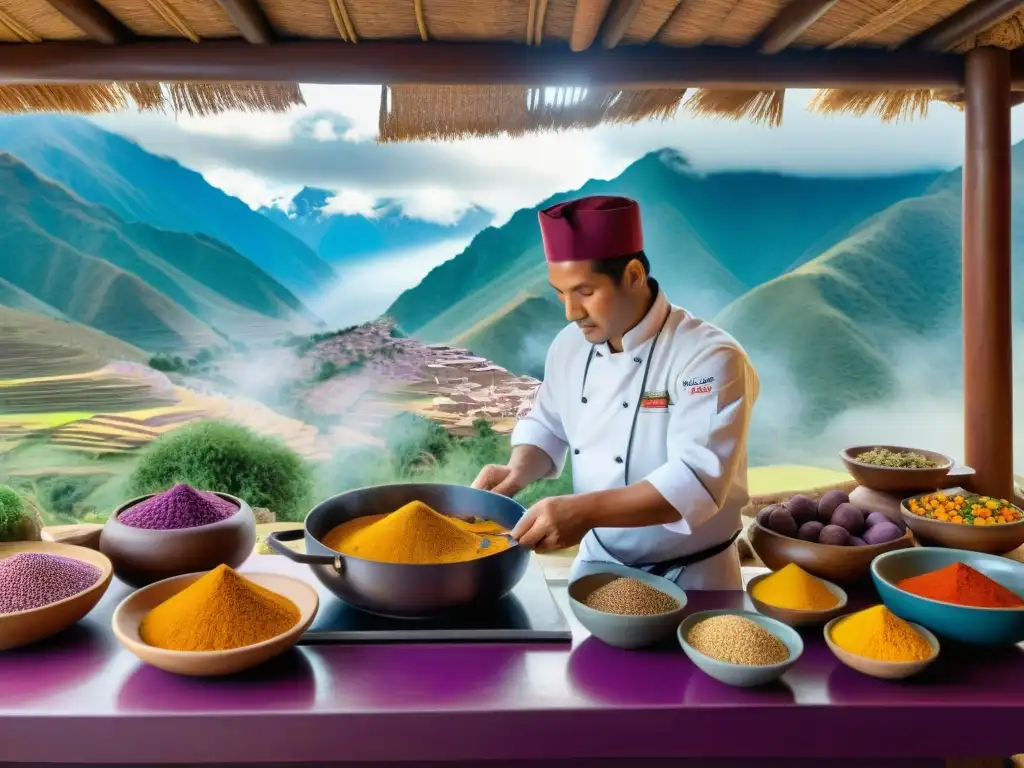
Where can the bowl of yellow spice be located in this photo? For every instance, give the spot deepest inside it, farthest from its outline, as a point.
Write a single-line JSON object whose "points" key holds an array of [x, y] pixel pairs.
{"points": [[795, 597], [412, 550], [879, 643], [215, 623]]}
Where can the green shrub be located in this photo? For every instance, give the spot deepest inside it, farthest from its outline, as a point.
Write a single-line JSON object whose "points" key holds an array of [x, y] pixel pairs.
{"points": [[65, 496], [168, 364], [413, 440], [12, 513], [219, 456], [328, 369], [421, 450]]}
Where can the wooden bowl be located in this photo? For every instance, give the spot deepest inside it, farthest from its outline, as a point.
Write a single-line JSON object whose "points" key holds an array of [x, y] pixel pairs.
{"points": [[796, 618], [990, 539], [843, 565], [128, 616], [892, 479], [887, 670], [141, 556], [24, 627]]}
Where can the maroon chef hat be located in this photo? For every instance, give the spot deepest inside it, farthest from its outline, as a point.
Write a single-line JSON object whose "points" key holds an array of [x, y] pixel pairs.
{"points": [[598, 227]]}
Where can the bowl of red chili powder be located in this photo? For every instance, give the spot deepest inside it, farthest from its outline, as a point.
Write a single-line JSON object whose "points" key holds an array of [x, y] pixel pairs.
{"points": [[968, 596], [181, 530]]}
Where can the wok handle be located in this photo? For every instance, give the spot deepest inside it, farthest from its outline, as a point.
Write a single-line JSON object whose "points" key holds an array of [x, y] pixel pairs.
{"points": [[276, 541]]}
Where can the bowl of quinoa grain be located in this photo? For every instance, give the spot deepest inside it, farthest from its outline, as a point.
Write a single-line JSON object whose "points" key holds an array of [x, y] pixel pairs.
{"points": [[626, 607], [896, 469], [740, 648], [45, 587]]}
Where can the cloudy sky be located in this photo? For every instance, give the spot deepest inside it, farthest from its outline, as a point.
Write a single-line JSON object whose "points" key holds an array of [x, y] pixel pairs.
{"points": [[330, 143]]}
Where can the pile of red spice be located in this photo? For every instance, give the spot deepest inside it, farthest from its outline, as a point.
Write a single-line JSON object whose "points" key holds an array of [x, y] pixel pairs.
{"points": [[960, 584], [180, 507]]}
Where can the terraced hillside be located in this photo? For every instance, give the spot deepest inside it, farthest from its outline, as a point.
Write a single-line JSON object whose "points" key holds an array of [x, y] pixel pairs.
{"points": [[32, 345]]}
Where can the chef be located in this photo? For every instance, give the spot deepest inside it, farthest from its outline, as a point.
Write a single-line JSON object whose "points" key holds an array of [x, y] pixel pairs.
{"points": [[651, 404]]}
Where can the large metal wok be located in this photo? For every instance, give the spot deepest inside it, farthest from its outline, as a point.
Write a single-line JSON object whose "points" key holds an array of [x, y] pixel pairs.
{"points": [[409, 591]]}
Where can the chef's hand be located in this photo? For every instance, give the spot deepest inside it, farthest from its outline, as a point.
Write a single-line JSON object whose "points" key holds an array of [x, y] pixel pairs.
{"points": [[500, 478], [552, 523]]}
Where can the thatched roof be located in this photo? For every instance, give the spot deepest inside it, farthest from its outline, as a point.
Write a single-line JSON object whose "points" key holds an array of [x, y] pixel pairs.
{"points": [[447, 106]]}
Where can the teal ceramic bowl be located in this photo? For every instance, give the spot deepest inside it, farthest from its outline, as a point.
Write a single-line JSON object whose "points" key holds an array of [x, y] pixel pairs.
{"points": [[742, 675], [624, 631], [983, 626]]}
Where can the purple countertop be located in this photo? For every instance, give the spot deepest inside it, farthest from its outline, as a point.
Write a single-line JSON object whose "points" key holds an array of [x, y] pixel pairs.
{"points": [[80, 698]]}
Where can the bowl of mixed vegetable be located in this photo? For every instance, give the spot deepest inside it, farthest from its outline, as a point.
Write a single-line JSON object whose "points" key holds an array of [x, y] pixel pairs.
{"points": [[895, 469], [959, 519]]}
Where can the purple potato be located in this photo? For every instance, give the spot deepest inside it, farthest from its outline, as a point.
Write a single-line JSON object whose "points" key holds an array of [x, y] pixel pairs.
{"points": [[875, 518], [810, 531], [782, 522], [834, 535], [803, 509], [762, 516], [850, 518], [828, 502], [857, 541], [881, 533]]}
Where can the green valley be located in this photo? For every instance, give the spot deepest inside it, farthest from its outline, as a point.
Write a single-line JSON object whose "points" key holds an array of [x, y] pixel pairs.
{"points": [[156, 289], [138, 186]]}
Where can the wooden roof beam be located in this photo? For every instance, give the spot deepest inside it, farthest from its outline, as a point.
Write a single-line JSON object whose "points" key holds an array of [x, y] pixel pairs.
{"points": [[618, 21], [969, 21], [249, 19], [586, 23], [325, 61], [93, 19], [792, 21]]}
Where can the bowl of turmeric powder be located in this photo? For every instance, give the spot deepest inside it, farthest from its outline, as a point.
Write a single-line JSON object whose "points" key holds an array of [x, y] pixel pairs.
{"points": [[412, 550], [968, 596], [215, 623], [959, 519], [795, 597]]}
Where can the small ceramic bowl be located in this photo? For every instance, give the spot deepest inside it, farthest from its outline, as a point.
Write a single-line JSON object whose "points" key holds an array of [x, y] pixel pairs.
{"points": [[141, 556], [742, 675], [992, 539], [982, 626], [625, 631], [129, 614], [842, 565], [25, 627], [887, 670], [896, 479], [797, 618]]}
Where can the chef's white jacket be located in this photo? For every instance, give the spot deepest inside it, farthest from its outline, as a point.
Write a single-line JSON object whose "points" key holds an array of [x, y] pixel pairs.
{"points": [[689, 439]]}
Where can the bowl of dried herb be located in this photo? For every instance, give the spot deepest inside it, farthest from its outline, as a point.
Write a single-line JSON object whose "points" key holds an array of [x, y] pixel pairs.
{"points": [[896, 469]]}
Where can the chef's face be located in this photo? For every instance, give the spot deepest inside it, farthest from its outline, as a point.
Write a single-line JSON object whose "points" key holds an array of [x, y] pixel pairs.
{"points": [[603, 308]]}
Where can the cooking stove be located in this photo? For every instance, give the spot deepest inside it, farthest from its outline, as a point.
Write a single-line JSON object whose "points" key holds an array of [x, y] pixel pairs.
{"points": [[528, 614]]}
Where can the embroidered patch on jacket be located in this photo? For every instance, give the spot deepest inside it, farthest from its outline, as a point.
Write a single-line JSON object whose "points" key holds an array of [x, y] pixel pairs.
{"points": [[655, 400], [700, 385]]}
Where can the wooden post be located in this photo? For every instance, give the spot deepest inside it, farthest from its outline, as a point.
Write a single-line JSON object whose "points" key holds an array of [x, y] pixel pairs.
{"points": [[988, 382]]}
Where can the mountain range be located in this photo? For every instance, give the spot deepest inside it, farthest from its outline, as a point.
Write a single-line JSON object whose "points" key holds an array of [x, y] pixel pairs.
{"points": [[341, 238], [711, 239], [840, 324], [156, 289], [138, 186]]}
